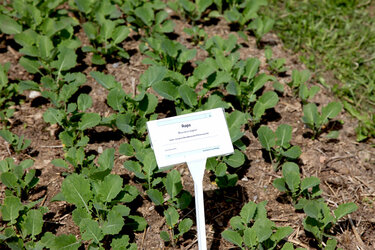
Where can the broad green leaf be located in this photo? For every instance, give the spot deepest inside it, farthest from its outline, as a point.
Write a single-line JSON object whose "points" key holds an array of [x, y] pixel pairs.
{"points": [[173, 183], [263, 228], [139, 223], [67, 59], [187, 55], [345, 209], [251, 68], [233, 237], [166, 90], [269, 99], [330, 111], [122, 209], [148, 103], [10, 209], [288, 246], [291, 175], [283, 135], [292, 153], [152, 75], [331, 244], [171, 216], [116, 99], [236, 223], [28, 85], [123, 122], [250, 237], [84, 102], [110, 187], [233, 88], [185, 225], [76, 190], [235, 160], [134, 167], [9, 26], [9, 180], [235, 121], [259, 81], [281, 233], [165, 236], [84, 5], [215, 101], [333, 134], [266, 137], [279, 183], [90, 30], [106, 30], [202, 5], [33, 223], [66, 242], [119, 34], [79, 214], [312, 208], [113, 224], [145, 13], [310, 115], [31, 66], [204, 69], [89, 120], [299, 77], [309, 182], [107, 158], [126, 149], [248, 211], [45, 47], [120, 243], [107, 81], [188, 95], [90, 230], [156, 196]]}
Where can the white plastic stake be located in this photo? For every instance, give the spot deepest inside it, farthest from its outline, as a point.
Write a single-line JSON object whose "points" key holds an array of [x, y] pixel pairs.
{"points": [[196, 169]]}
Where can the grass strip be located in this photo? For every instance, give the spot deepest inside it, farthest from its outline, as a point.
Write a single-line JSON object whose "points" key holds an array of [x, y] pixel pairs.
{"points": [[335, 38]]}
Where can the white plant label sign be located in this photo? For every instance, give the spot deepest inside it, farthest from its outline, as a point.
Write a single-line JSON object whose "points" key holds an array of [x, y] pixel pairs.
{"points": [[192, 138]]}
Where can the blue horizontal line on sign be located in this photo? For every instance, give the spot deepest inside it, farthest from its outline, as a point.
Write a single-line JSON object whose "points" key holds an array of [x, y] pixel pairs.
{"points": [[182, 119], [187, 153]]}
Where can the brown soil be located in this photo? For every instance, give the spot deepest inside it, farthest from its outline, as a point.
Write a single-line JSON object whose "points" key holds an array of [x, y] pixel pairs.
{"points": [[345, 167]]}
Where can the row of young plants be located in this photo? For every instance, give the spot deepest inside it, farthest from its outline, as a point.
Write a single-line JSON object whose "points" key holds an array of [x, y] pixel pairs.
{"points": [[103, 212]]}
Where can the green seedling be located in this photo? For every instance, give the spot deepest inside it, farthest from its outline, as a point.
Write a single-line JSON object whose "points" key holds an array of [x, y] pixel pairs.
{"points": [[320, 220], [253, 230], [275, 65], [24, 223], [165, 52], [144, 167], [299, 86], [316, 120], [7, 92], [17, 143], [294, 187], [16, 179], [106, 40], [149, 16], [99, 198], [244, 12], [177, 227], [191, 11], [261, 26], [278, 144], [197, 34], [131, 112]]}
